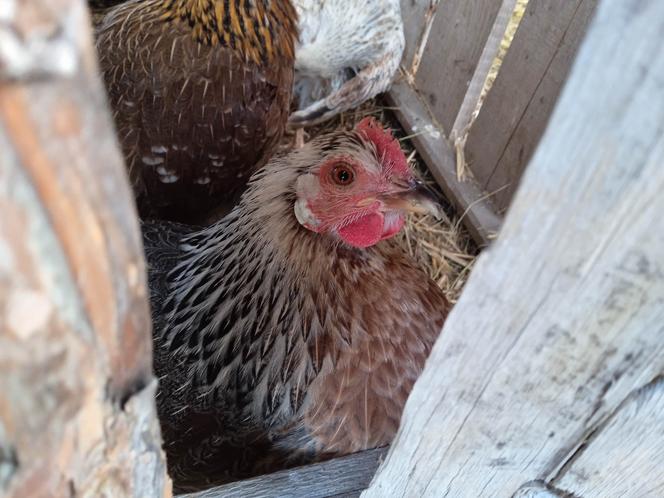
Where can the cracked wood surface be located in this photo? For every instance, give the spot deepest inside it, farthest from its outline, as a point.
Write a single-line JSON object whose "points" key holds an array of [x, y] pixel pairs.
{"points": [[624, 456], [563, 317], [77, 412]]}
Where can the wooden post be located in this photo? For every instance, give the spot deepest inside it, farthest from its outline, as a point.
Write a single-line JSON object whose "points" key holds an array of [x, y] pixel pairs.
{"points": [[77, 412], [546, 379]]}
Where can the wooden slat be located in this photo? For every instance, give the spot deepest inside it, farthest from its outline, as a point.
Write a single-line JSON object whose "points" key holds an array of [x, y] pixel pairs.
{"points": [[77, 410], [518, 107], [562, 318], [625, 457], [340, 477], [540, 489], [418, 16], [470, 201], [484, 64], [458, 36]]}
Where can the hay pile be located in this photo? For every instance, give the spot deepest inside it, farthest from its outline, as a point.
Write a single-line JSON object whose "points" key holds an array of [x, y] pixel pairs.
{"points": [[443, 248]]}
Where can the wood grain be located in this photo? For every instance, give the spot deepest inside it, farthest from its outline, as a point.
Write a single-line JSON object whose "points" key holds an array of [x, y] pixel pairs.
{"points": [[478, 214], [623, 457], [464, 118], [418, 16], [77, 413], [458, 36], [539, 490], [340, 477], [562, 318], [516, 111]]}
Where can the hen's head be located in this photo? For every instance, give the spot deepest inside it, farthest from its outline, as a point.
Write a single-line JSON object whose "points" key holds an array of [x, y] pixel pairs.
{"points": [[361, 189]]}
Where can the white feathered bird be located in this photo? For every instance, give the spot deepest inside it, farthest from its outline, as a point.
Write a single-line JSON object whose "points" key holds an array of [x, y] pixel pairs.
{"points": [[349, 51]]}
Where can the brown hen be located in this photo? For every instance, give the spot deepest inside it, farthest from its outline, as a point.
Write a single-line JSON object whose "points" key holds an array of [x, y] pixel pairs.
{"points": [[200, 91], [291, 330]]}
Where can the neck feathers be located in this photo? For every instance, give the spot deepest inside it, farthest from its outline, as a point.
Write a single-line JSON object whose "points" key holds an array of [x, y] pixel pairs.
{"points": [[261, 30]]}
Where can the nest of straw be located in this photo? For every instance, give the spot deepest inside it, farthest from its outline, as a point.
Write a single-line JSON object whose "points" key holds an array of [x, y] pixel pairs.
{"points": [[443, 248]]}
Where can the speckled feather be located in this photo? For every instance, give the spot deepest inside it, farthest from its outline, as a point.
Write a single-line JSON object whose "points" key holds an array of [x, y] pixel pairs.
{"points": [[349, 52], [200, 91], [275, 345]]}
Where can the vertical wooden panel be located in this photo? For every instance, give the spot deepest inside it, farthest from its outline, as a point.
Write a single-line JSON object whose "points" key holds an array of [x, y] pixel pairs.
{"points": [[77, 410], [562, 318], [482, 70], [455, 44], [418, 15], [517, 109]]}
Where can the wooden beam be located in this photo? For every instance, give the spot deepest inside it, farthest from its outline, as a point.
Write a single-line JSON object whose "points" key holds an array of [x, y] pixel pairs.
{"points": [[77, 411], [562, 317], [478, 215], [340, 477], [517, 109]]}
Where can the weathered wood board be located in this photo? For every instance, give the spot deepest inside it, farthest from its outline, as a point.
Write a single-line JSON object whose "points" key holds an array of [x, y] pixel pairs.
{"points": [[77, 411], [476, 210], [515, 113], [418, 16], [346, 476], [625, 456], [458, 35], [464, 118], [563, 317]]}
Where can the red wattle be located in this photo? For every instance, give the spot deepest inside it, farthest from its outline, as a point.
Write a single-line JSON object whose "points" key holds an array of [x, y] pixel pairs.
{"points": [[364, 232]]}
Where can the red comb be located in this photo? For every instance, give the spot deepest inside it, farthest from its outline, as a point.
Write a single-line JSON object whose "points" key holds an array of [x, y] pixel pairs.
{"points": [[387, 147]]}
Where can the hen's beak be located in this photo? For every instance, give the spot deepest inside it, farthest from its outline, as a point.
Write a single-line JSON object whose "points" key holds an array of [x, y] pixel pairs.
{"points": [[413, 197]]}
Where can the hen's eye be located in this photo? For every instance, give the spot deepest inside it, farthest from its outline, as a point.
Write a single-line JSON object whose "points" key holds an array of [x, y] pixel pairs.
{"points": [[343, 174]]}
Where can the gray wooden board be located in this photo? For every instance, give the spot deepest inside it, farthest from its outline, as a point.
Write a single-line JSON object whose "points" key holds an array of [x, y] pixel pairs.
{"points": [[476, 86], [538, 489], [563, 316], [455, 44], [417, 18], [517, 109], [340, 477], [477, 212], [625, 457]]}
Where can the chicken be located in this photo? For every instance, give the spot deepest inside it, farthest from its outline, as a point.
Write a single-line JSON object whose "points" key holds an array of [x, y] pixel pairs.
{"points": [[291, 331], [200, 91], [349, 52]]}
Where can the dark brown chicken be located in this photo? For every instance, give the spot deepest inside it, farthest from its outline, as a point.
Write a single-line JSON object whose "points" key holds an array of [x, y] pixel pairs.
{"points": [[200, 91], [288, 332]]}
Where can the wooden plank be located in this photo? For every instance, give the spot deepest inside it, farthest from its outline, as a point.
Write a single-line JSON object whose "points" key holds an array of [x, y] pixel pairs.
{"points": [[562, 317], [484, 64], [77, 410], [517, 109], [455, 44], [538, 489], [346, 476], [625, 456], [418, 16], [478, 215]]}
